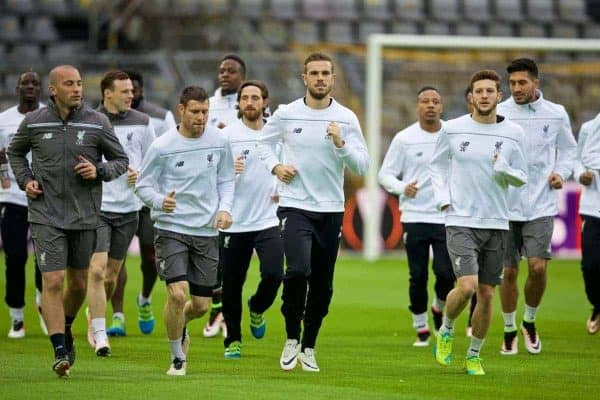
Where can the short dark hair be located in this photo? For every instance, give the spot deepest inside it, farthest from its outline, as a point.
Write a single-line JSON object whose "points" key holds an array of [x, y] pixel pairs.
{"points": [[485, 74], [109, 78], [192, 93], [318, 56], [135, 76], [523, 64], [237, 59], [426, 88], [263, 91]]}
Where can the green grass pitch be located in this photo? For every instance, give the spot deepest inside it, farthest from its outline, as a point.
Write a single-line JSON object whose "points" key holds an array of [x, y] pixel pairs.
{"points": [[364, 351]]}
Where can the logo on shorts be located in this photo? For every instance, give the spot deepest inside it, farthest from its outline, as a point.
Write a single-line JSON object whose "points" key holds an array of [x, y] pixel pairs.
{"points": [[47, 135], [297, 130], [80, 136], [283, 221], [179, 164], [43, 258], [464, 145], [161, 265], [209, 158], [457, 263], [226, 241]]}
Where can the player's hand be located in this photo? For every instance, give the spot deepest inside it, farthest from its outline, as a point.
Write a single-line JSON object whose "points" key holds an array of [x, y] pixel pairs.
{"points": [[555, 181], [411, 189], [85, 169], [285, 173], [33, 189], [586, 178], [335, 133], [169, 203], [238, 165], [222, 220], [132, 176], [5, 183]]}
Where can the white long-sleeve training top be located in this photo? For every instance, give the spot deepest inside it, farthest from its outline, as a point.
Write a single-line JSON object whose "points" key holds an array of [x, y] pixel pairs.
{"points": [[301, 132], [406, 161], [550, 148], [135, 133], [588, 159], [253, 206], [222, 109], [199, 170], [465, 176]]}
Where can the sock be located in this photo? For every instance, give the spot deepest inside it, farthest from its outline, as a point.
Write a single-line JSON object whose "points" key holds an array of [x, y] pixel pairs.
{"points": [[176, 349], [529, 314], [16, 314], [68, 322], [38, 298], [119, 315], [420, 322], [99, 328], [510, 321], [438, 304], [216, 305], [143, 300], [58, 343], [475, 347], [447, 325]]}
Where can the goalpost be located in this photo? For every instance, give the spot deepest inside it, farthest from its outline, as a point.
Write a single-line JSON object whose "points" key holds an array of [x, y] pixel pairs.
{"points": [[374, 63]]}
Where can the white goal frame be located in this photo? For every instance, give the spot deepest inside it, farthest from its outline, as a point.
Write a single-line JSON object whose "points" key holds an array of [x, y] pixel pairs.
{"points": [[374, 62]]}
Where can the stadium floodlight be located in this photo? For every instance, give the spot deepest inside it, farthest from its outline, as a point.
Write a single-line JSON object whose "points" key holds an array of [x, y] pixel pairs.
{"points": [[374, 71]]}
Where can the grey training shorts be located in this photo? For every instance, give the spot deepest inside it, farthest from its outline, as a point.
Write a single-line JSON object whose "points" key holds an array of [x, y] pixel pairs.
{"points": [[477, 252], [194, 259], [115, 233], [57, 249], [529, 239]]}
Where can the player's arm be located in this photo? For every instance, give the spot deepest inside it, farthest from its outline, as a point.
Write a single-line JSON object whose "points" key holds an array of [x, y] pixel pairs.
{"points": [[392, 168], [353, 150], [147, 182], [438, 170], [566, 149], [226, 180], [511, 171], [117, 160], [17, 155], [270, 137]]}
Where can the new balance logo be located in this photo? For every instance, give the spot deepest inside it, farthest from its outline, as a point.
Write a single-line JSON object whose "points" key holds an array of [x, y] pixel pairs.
{"points": [[419, 154], [209, 158], [464, 145], [129, 136], [179, 164], [245, 154], [47, 136], [497, 147], [297, 130], [546, 127]]}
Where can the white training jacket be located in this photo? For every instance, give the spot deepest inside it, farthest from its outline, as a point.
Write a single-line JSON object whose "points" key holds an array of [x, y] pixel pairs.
{"points": [[465, 176], [199, 170], [549, 148], [253, 206], [406, 161], [301, 132], [135, 133], [588, 159], [10, 120], [221, 109]]}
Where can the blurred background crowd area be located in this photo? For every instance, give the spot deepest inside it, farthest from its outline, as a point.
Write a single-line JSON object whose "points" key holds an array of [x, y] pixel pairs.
{"points": [[175, 43]]}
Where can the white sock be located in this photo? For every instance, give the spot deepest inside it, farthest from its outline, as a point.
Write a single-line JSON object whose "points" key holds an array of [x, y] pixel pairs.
{"points": [[99, 328], [529, 313], [510, 321], [119, 315], [176, 349], [447, 325], [438, 304], [420, 322], [38, 297], [16, 314], [475, 347], [143, 300]]}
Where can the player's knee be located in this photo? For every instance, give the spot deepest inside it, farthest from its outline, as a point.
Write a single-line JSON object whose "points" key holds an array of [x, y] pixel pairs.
{"points": [[78, 286], [485, 294], [176, 295], [53, 281], [96, 273], [537, 268], [510, 276]]}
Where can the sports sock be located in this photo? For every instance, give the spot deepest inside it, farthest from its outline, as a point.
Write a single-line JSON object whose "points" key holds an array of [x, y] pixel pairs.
{"points": [[58, 343], [438, 304], [176, 349], [16, 314], [143, 300], [420, 322], [447, 325], [475, 347], [99, 328], [529, 314], [510, 321]]}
